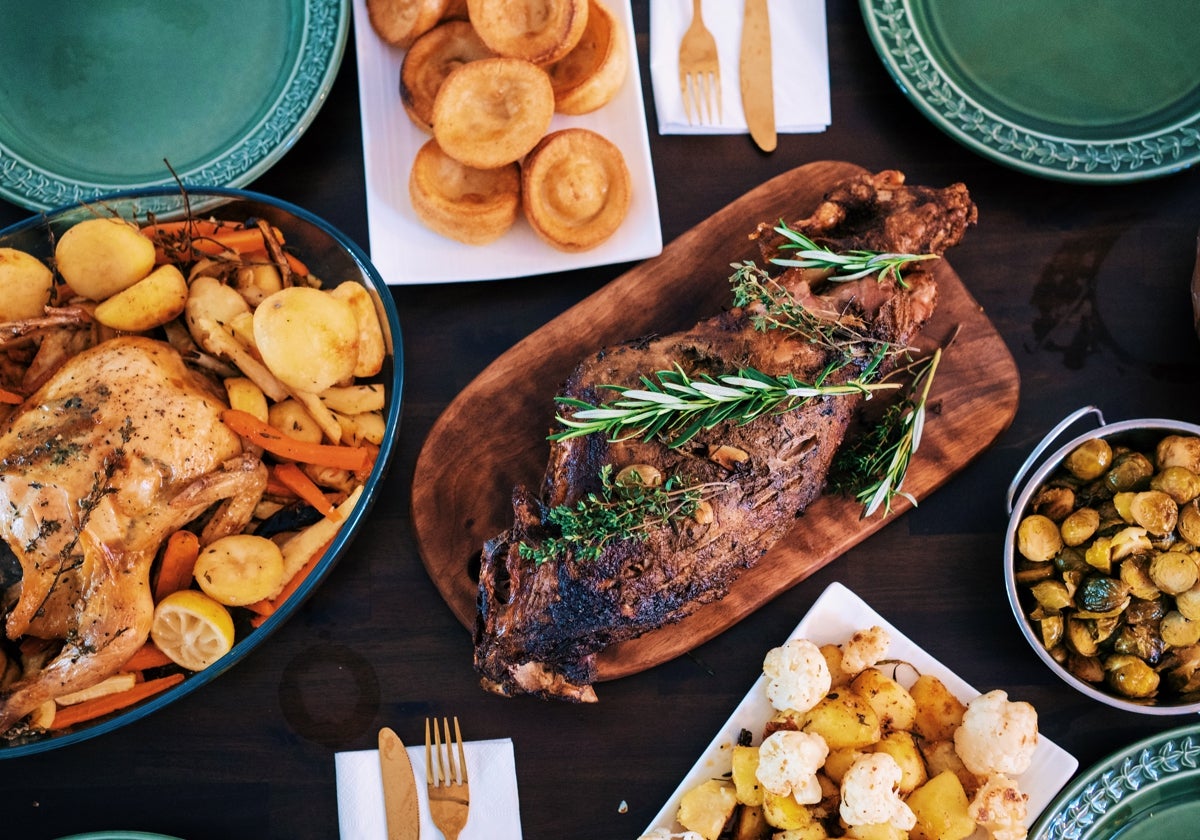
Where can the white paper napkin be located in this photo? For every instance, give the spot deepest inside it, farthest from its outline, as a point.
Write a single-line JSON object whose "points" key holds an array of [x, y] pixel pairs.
{"points": [[495, 811], [799, 64]]}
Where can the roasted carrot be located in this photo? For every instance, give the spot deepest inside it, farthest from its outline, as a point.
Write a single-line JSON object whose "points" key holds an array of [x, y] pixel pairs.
{"points": [[10, 397], [178, 560], [147, 656], [265, 608], [353, 458], [89, 709], [295, 479]]}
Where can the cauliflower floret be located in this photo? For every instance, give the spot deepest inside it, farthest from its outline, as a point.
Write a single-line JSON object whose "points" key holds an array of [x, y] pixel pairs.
{"points": [[871, 793], [798, 675], [788, 762], [665, 834], [996, 735], [999, 807], [864, 649]]}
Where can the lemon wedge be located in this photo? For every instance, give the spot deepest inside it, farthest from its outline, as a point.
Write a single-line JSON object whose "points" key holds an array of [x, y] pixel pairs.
{"points": [[192, 629]]}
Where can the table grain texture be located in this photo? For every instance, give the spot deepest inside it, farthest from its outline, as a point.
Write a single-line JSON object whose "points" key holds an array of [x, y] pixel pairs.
{"points": [[1088, 287]]}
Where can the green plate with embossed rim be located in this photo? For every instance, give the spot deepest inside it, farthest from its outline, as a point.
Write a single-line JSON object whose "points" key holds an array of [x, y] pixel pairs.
{"points": [[1147, 791], [118, 95], [1074, 90]]}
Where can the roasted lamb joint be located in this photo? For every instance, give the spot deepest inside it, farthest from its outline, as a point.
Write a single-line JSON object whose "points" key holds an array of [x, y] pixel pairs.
{"points": [[540, 625], [120, 447]]}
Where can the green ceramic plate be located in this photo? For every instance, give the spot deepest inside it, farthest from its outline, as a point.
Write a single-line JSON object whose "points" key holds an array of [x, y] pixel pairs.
{"points": [[119, 835], [1149, 791], [99, 97], [1076, 90]]}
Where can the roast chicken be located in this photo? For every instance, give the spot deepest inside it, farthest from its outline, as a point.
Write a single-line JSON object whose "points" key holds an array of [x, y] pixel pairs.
{"points": [[541, 625], [120, 447]]}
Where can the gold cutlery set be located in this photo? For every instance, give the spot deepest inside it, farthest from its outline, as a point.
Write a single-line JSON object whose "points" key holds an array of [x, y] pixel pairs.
{"points": [[700, 73], [446, 781]]}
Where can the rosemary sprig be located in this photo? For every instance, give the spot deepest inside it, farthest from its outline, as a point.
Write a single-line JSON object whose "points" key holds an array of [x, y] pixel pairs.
{"points": [[677, 407], [617, 512], [849, 265], [873, 466]]}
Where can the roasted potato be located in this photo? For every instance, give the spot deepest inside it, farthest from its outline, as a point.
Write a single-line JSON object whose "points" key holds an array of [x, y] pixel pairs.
{"points": [[940, 806], [938, 711], [892, 703], [844, 719], [706, 808], [307, 338], [102, 256], [239, 569], [27, 285], [159, 297]]}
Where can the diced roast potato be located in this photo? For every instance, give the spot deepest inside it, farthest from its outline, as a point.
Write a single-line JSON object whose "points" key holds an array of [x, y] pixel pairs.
{"points": [[844, 719], [154, 300], [892, 703], [940, 806], [784, 811], [706, 808], [745, 778], [938, 712], [902, 746]]}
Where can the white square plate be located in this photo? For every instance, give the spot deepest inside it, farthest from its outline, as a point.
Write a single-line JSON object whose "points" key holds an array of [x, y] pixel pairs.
{"points": [[406, 252], [833, 619]]}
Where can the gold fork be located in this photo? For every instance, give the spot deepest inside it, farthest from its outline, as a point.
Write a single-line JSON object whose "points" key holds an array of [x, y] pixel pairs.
{"points": [[449, 796], [699, 71]]}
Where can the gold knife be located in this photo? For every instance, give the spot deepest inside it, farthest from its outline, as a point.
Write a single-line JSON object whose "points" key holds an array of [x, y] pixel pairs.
{"points": [[399, 788], [754, 70]]}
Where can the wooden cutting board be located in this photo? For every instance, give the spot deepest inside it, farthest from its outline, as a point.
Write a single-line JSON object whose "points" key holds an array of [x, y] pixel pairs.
{"points": [[493, 435]]}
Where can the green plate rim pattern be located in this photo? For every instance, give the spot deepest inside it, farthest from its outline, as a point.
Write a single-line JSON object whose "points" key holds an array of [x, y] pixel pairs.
{"points": [[326, 27], [1118, 779], [1121, 157]]}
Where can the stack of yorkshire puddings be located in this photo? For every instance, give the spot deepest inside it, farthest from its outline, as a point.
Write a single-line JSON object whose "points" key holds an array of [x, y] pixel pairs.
{"points": [[485, 81]]}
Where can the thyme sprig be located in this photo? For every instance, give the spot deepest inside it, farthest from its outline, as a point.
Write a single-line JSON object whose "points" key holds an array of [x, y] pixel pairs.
{"points": [[677, 407], [774, 307], [873, 466], [619, 511], [847, 265]]}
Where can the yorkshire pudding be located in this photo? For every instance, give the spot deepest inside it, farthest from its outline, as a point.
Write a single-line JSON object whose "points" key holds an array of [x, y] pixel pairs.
{"points": [[589, 76], [491, 112], [430, 60], [401, 22], [540, 31], [475, 206], [575, 189]]}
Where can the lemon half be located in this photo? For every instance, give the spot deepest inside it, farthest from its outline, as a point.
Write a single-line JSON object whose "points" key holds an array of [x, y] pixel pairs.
{"points": [[192, 629]]}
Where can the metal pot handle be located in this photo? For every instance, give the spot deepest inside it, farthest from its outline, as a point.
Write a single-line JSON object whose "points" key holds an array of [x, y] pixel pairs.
{"points": [[1049, 439]]}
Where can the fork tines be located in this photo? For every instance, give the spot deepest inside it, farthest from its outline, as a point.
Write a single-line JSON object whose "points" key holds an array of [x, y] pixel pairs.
{"points": [[444, 768]]}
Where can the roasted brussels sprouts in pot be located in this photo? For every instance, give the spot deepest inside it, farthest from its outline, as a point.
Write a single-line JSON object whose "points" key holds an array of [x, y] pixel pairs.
{"points": [[1103, 561]]}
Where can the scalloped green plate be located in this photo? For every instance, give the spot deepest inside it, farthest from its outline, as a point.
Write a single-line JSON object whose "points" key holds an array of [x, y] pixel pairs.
{"points": [[101, 97], [1147, 791], [1095, 91]]}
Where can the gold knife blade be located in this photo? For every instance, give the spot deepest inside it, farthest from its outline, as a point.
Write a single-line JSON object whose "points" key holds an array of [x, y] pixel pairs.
{"points": [[754, 70], [399, 788]]}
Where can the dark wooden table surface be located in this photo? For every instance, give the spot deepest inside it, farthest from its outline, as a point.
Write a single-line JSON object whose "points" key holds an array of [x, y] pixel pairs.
{"points": [[1088, 286]]}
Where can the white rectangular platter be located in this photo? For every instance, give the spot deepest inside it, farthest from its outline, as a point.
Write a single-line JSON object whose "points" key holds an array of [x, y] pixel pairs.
{"points": [[406, 252], [833, 619]]}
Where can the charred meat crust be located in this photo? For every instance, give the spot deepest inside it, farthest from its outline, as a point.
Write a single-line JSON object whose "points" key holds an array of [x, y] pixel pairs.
{"points": [[540, 626]]}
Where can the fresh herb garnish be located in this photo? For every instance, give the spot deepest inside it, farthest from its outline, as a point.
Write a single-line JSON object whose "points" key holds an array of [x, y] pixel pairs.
{"points": [[621, 510], [677, 407], [872, 467], [847, 265]]}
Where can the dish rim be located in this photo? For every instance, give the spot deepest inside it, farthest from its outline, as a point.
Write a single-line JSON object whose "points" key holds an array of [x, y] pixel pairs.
{"points": [[309, 77], [897, 40], [370, 278]]}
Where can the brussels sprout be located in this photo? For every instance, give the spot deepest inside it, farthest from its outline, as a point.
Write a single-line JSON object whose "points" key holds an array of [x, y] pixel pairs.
{"points": [[1136, 572], [1140, 640], [1142, 610], [1052, 595], [1054, 502], [1080, 637], [1102, 594], [1188, 603], [1131, 677], [1179, 631], [1099, 554], [1051, 628], [1182, 669], [1174, 572], [1188, 524], [1129, 471], [1090, 459], [1155, 511], [1079, 526], [1180, 483], [1128, 541], [1038, 538], [1178, 451]]}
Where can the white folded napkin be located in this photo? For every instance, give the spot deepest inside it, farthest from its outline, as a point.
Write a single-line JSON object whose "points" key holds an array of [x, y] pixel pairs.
{"points": [[495, 811], [799, 64]]}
